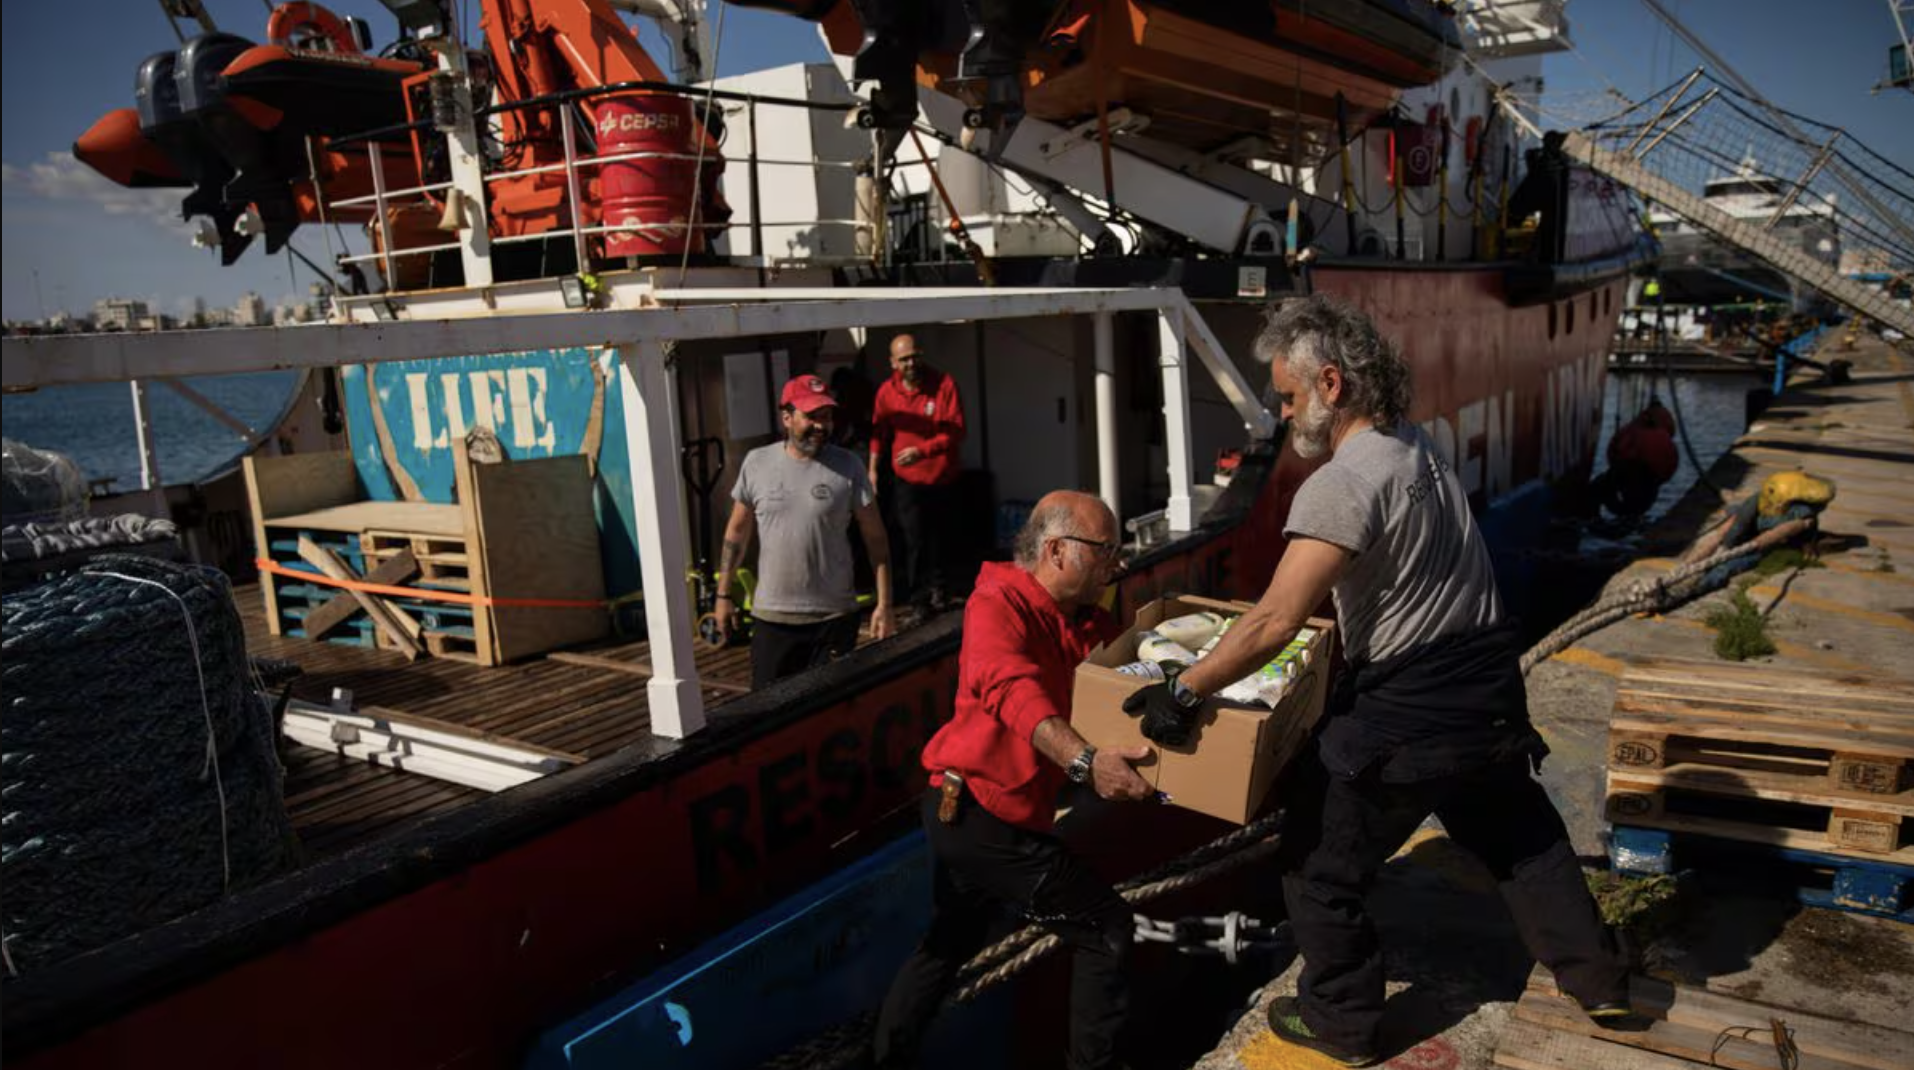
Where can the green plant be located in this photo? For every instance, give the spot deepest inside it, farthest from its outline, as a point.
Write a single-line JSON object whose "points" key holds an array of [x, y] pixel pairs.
{"points": [[1741, 632], [1781, 560]]}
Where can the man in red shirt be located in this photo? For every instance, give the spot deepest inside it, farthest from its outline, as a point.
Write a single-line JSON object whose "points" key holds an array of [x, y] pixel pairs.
{"points": [[997, 768], [918, 422]]}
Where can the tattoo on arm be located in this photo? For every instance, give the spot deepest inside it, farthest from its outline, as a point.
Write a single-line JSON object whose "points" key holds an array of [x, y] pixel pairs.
{"points": [[728, 560]]}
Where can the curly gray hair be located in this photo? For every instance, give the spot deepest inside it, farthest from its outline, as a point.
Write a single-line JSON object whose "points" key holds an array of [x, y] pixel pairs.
{"points": [[1311, 332]]}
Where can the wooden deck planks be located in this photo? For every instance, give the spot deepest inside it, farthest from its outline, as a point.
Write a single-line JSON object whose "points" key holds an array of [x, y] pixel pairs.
{"points": [[586, 703], [1680, 1027]]}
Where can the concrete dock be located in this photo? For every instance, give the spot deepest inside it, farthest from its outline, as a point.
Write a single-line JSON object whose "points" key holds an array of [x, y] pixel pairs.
{"points": [[1455, 964]]}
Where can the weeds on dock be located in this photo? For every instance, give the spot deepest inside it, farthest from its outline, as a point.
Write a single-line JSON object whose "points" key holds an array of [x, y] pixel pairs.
{"points": [[1784, 559], [1741, 632], [1646, 908]]}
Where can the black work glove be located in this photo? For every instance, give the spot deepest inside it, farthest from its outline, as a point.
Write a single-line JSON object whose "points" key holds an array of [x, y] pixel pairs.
{"points": [[1165, 720]]}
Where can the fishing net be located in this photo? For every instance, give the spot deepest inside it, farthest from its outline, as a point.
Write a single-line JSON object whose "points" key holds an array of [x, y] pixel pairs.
{"points": [[39, 485], [138, 767]]}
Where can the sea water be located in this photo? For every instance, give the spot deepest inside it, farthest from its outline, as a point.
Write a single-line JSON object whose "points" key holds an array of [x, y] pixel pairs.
{"points": [[93, 424], [1712, 409]]}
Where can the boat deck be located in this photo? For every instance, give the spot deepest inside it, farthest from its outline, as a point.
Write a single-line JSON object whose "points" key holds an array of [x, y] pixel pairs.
{"points": [[589, 702]]}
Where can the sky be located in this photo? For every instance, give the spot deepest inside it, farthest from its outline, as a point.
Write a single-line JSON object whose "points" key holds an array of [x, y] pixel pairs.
{"points": [[70, 237]]}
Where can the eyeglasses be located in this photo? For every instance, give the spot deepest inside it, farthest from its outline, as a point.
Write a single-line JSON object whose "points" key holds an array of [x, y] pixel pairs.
{"points": [[1104, 550]]}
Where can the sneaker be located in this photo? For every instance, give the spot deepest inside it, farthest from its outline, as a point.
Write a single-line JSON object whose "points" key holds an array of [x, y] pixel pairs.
{"points": [[1608, 1013], [1286, 1021]]}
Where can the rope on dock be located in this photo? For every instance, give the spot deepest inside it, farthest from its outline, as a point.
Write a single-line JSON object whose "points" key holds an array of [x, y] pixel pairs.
{"points": [[1656, 595]]}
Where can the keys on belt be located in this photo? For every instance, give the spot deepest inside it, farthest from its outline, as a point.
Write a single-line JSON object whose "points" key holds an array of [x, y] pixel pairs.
{"points": [[950, 794]]}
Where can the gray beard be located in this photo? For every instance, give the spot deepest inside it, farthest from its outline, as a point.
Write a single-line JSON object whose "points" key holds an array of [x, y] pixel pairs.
{"points": [[806, 445], [1309, 433]]}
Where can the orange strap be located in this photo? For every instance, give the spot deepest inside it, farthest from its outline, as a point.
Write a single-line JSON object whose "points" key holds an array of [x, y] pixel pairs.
{"points": [[425, 594]]}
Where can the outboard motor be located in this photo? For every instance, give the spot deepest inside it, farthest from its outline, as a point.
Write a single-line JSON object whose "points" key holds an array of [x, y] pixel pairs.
{"points": [[156, 99], [248, 142]]}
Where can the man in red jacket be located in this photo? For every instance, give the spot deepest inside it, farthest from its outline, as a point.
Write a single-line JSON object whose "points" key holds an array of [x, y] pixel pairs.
{"points": [[996, 769], [918, 422]]}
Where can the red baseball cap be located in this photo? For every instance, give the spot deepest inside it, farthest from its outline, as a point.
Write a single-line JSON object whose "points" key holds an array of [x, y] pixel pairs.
{"points": [[807, 393]]}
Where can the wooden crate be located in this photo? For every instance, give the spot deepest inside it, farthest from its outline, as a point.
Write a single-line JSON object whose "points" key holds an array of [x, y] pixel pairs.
{"points": [[1765, 755], [519, 547], [1679, 1027]]}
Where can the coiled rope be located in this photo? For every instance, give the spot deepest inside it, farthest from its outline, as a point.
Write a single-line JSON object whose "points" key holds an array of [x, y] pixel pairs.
{"points": [[136, 788]]}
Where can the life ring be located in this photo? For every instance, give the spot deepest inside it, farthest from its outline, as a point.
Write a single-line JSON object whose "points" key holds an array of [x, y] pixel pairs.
{"points": [[301, 20]]}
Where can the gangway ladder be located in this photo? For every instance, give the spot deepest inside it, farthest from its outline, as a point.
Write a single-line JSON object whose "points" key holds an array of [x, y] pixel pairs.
{"points": [[1749, 237]]}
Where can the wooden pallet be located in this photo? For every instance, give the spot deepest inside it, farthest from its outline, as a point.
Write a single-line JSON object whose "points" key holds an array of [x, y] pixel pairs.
{"points": [[1681, 1026], [1779, 757], [1849, 736], [1763, 808], [1837, 882]]}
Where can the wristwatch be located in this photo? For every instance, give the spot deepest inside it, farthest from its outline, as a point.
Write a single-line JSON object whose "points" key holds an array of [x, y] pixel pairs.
{"points": [[1079, 768], [1184, 695]]}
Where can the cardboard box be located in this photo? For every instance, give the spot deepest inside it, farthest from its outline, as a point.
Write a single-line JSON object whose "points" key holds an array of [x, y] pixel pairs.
{"points": [[1229, 766]]}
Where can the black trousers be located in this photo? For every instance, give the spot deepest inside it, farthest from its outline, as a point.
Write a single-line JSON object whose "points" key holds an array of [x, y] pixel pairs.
{"points": [[926, 523], [979, 865], [781, 650], [1339, 834]]}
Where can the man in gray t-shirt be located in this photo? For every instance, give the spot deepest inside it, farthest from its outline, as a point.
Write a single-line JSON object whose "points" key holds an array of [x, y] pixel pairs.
{"points": [[1431, 716], [1418, 569], [802, 494]]}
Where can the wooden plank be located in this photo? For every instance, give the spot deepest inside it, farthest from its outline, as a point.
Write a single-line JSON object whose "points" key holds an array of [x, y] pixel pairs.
{"points": [[1681, 672], [1776, 730], [1739, 813], [1747, 1046], [1527, 1046], [535, 537], [484, 617], [1857, 1043], [1805, 708], [394, 570], [1748, 784], [300, 483], [640, 668], [425, 518], [1773, 836], [383, 615]]}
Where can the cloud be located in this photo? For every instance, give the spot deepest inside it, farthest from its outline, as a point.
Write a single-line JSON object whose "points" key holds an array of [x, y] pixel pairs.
{"points": [[60, 177]]}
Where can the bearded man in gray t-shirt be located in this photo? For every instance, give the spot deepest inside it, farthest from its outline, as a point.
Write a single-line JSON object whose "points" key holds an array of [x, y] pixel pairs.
{"points": [[802, 495], [1431, 715]]}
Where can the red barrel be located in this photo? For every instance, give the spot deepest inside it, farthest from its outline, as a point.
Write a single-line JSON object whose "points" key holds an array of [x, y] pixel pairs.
{"points": [[652, 193]]}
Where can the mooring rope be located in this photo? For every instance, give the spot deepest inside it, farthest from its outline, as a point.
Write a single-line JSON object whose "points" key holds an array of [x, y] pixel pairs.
{"points": [[845, 1043], [1654, 595]]}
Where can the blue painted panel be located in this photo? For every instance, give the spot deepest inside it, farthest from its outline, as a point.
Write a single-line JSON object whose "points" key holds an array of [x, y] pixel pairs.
{"points": [[539, 402], [1513, 526], [818, 959]]}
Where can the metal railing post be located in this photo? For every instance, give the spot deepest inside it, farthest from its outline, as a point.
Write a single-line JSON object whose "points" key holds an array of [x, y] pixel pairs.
{"points": [[571, 185], [751, 165], [379, 213]]}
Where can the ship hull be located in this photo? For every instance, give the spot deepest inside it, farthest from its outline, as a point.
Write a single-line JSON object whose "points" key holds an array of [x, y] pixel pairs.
{"points": [[457, 940]]}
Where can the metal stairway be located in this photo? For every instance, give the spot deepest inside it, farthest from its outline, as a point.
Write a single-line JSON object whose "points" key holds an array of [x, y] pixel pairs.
{"points": [[1749, 237]]}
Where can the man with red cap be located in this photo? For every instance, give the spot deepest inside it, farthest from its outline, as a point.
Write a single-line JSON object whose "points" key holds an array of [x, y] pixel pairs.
{"points": [[803, 493], [918, 423]]}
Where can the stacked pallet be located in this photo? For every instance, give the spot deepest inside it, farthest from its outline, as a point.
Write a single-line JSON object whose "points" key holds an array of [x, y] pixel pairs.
{"points": [[1679, 1027], [1768, 765], [509, 569]]}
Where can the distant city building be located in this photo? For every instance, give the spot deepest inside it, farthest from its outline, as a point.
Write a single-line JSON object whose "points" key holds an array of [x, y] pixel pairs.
{"points": [[120, 314], [251, 311]]}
